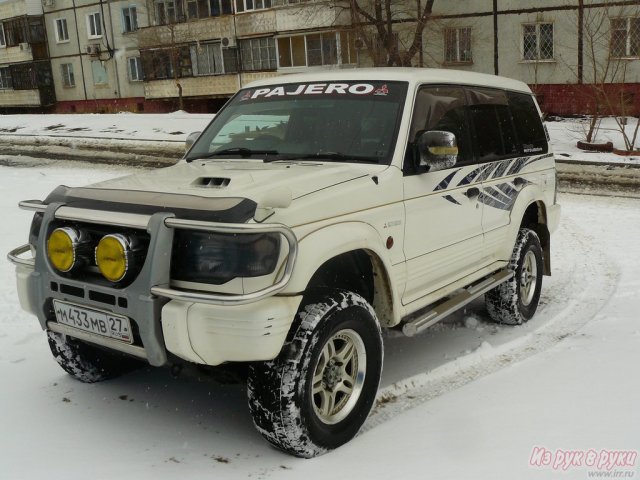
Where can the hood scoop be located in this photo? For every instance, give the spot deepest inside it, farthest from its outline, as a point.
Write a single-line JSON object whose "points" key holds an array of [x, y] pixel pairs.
{"points": [[212, 182]]}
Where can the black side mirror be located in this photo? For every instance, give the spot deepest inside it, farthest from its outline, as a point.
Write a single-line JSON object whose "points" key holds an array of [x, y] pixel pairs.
{"points": [[437, 150]]}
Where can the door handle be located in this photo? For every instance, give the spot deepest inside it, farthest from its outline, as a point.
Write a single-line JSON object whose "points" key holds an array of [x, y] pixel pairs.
{"points": [[472, 193]]}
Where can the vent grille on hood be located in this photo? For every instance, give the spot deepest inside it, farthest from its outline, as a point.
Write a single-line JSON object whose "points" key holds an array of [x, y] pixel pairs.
{"points": [[212, 182]]}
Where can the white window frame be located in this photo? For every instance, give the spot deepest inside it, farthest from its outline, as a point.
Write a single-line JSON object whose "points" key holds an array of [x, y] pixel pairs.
{"points": [[106, 74], [338, 41], [58, 23], [256, 49], [458, 49], [68, 76], [133, 15], [627, 47], [199, 50], [252, 5], [91, 22], [3, 39], [538, 58], [138, 63]]}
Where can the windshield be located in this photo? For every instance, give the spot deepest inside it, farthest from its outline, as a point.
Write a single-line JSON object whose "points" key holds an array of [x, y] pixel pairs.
{"points": [[346, 122]]}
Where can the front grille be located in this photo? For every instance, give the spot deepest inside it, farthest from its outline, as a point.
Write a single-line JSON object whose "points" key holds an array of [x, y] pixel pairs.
{"points": [[87, 271]]}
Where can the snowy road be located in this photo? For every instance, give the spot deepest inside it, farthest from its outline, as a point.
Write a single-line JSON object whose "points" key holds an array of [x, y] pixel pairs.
{"points": [[467, 399]]}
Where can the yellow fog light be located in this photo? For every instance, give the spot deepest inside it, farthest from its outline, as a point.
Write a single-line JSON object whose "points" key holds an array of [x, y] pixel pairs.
{"points": [[61, 248], [112, 256]]}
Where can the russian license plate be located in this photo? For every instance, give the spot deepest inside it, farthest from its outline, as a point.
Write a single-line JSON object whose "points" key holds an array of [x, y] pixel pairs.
{"points": [[101, 323]]}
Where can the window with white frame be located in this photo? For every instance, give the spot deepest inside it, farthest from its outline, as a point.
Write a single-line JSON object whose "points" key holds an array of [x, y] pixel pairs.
{"points": [[99, 72], [165, 11], [68, 80], [537, 41], [3, 42], [62, 33], [317, 49], [5, 78], [129, 19], [135, 69], [94, 25], [206, 59], [625, 37], [246, 5], [457, 45], [258, 54]]}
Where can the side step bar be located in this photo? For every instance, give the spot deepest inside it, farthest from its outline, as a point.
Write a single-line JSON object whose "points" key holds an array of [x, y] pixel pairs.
{"points": [[436, 313]]}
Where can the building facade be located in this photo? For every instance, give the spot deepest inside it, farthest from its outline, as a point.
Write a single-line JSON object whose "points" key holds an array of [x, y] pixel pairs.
{"points": [[26, 82], [94, 54], [579, 56]]}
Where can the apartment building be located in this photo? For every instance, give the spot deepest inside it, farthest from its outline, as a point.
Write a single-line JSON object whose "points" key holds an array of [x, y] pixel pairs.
{"points": [[94, 54], [26, 83]]}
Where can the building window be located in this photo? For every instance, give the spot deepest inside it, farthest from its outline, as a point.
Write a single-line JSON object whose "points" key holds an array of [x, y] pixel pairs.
{"points": [[135, 69], [207, 59], [68, 80], [457, 45], [3, 42], [245, 5], [165, 12], [537, 41], [625, 37], [258, 54], [5, 78], [129, 19], [99, 72], [317, 49], [220, 7], [94, 25], [62, 33]]}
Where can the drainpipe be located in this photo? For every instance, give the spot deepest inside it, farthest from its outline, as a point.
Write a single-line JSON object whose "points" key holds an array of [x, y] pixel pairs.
{"points": [[115, 60], [84, 84]]}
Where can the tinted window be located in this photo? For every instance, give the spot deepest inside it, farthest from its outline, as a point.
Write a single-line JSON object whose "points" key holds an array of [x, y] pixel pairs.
{"points": [[494, 133], [528, 123], [443, 108]]}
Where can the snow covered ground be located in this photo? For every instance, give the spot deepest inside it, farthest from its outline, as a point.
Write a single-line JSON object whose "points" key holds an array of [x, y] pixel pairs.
{"points": [[141, 130], [466, 399]]}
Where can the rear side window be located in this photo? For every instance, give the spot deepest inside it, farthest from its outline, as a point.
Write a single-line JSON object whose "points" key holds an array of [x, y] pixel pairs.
{"points": [[528, 123], [494, 133]]}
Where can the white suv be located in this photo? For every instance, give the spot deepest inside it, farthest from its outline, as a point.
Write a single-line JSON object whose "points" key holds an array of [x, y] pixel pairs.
{"points": [[312, 211]]}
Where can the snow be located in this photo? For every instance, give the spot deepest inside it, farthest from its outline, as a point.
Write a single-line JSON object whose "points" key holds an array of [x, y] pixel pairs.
{"points": [[465, 399]]}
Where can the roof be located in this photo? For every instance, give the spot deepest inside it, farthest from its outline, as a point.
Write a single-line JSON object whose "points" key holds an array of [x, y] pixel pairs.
{"points": [[412, 75]]}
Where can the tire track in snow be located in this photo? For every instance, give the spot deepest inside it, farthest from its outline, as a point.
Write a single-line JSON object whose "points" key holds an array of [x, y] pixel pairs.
{"points": [[568, 307]]}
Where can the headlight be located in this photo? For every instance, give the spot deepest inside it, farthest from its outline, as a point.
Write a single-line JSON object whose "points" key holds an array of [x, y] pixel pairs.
{"points": [[113, 255], [216, 258], [62, 248]]}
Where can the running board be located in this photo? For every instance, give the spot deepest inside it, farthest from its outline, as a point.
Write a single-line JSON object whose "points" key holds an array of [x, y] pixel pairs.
{"points": [[441, 310]]}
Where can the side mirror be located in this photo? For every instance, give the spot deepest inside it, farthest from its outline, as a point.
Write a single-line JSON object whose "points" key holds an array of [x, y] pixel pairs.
{"points": [[191, 138], [437, 150]]}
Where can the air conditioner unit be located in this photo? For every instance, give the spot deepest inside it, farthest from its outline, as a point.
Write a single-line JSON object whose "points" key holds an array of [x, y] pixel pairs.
{"points": [[48, 3], [228, 42], [25, 47], [93, 50]]}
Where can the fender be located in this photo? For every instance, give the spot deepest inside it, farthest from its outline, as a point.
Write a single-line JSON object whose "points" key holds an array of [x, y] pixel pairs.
{"points": [[317, 247]]}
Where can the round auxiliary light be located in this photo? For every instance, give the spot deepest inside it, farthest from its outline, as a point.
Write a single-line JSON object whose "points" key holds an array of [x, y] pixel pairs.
{"points": [[62, 245], [112, 256]]}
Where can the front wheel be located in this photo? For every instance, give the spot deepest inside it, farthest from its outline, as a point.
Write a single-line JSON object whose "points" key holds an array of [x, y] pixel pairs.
{"points": [[516, 300], [317, 394]]}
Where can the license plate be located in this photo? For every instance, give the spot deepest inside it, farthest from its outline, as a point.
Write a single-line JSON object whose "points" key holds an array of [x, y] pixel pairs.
{"points": [[101, 323]]}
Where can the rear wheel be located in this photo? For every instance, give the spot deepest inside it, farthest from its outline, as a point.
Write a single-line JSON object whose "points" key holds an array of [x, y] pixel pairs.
{"points": [[317, 394], [515, 301], [88, 363]]}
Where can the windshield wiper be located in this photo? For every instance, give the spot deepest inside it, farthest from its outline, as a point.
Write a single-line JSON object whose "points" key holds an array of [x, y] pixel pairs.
{"points": [[338, 157], [241, 151]]}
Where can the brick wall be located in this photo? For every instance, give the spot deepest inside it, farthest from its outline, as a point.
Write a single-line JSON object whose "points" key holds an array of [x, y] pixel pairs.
{"points": [[568, 99]]}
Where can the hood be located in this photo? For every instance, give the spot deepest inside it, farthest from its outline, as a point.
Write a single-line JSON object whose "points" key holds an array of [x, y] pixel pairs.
{"points": [[251, 179]]}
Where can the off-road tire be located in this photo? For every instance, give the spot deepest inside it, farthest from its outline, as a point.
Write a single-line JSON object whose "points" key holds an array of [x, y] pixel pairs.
{"points": [[516, 300], [87, 363], [281, 400]]}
